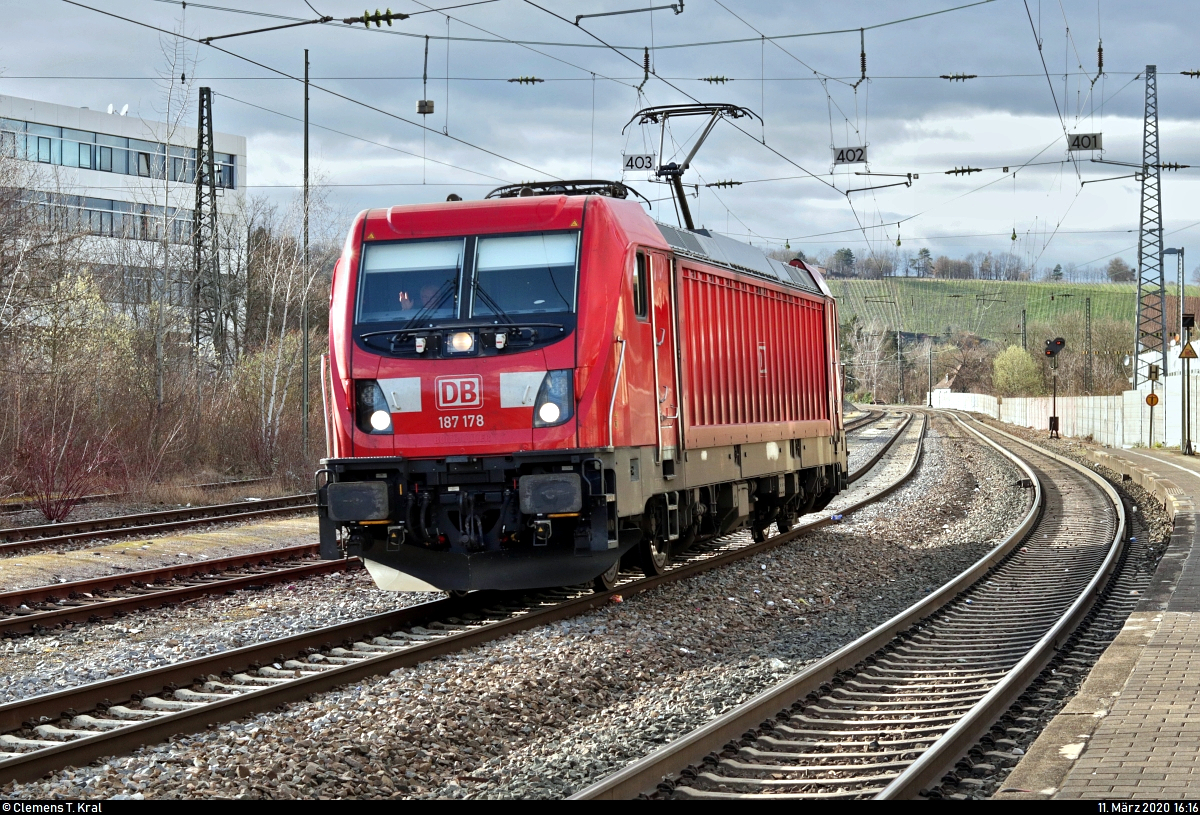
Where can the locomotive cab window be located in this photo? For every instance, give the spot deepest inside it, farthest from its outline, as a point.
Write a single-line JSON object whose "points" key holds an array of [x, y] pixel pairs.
{"points": [[404, 281], [525, 274], [641, 300]]}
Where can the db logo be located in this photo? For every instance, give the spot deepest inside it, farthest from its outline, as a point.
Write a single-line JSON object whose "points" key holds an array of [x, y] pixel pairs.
{"points": [[459, 391]]}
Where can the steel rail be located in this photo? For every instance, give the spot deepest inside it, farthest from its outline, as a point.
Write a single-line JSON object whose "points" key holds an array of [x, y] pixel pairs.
{"points": [[643, 776], [84, 748], [78, 609], [871, 417], [866, 466], [75, 602], [23, 538], [23, 503], [933, 763], [80, 606]]}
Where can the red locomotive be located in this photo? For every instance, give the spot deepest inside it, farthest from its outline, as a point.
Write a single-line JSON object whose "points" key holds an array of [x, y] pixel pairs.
{"points": [[526, 389]]}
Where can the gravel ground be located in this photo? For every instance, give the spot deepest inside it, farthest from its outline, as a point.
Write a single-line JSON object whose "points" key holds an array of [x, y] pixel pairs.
{"points": [[80, 654], [543, 713]]}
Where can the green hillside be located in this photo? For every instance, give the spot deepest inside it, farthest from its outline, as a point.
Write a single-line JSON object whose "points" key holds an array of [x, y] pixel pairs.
{"points": [[989, 308]]}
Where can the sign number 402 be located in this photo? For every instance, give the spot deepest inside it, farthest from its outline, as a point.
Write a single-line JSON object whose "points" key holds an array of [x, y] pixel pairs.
{"points": [[639, 161], [849, 155]]}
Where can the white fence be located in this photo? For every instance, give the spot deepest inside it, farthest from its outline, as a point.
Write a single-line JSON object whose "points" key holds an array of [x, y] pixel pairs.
{"points": [[1116, 421]]}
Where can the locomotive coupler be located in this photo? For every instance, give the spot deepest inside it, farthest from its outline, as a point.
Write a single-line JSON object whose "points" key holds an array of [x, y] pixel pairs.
{"points": [[356, 542], [541, 531]]}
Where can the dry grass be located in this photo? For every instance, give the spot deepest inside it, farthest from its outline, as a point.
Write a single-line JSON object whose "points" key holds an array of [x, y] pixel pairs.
{"points": [[181, 494]]}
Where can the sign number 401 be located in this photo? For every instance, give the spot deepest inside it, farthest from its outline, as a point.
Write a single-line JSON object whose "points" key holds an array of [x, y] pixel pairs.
{"points": [[639, 161], [1085, 141]]}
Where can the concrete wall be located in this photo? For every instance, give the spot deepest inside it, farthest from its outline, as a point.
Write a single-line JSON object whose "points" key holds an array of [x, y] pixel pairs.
{"points": [[1116, 421]]}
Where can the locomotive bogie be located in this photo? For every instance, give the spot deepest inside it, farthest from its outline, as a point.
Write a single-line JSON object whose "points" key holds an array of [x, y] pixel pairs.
{"points": [[465, 523]]}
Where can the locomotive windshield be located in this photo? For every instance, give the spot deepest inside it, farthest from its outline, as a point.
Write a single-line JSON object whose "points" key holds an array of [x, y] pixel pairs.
{"points": [[403, 281], [525, 274], [500, 276]]}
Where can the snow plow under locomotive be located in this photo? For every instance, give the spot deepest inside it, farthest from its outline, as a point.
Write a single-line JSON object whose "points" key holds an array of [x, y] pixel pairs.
{"points": [[525, 389]]}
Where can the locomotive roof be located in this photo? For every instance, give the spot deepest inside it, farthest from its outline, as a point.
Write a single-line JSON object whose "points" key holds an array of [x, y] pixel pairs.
{"points": [[723, 251], [701, 244]]}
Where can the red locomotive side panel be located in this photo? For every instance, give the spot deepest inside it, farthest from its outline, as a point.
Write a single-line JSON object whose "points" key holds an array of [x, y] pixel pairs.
{"points": [[755, 364]]}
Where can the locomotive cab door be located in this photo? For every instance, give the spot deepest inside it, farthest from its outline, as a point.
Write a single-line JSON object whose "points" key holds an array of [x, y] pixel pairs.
{"points": [[666, 379]]}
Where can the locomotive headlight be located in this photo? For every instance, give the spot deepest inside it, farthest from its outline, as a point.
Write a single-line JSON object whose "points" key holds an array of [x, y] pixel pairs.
{"points": [[462, 342], [372, 413], [555, 399]]}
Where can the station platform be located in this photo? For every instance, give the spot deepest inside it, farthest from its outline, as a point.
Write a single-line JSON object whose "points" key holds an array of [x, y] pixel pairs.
{"points": [[1133, 730]]}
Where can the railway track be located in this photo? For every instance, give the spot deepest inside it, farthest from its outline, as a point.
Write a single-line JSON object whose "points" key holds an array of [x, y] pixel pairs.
{"points": [[23, 503], [29, 610], [889, 714], [74, 726], [21, 539], [871, 417]]}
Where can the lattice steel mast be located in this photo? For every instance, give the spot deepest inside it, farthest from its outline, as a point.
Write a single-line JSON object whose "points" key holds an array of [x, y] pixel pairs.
{"points": [[1151, 336], [207, 314]]}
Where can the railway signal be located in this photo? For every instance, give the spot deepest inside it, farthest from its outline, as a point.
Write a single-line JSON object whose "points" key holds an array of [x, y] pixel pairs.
{"points": [[1152, 400], [1187, 322], [1053, 349]]}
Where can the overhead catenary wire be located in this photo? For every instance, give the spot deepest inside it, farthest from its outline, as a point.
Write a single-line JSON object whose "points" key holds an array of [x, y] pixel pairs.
{"points": [[357, 138], [1037, 37], [622, 79], [829, 32], [321, 88], [515, 42], [761, 40], [805, 170]]}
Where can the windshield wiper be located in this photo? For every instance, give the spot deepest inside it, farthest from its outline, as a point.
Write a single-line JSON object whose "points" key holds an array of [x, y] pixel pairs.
{"points": [[433, 305], [492, 304]]}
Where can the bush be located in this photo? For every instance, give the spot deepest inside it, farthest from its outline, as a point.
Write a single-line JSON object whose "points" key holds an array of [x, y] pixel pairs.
{"points": [[1016, 373]]}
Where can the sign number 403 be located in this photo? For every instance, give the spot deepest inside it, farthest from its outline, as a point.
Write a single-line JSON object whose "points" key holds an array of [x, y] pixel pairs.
{"points": [[639, 161]]}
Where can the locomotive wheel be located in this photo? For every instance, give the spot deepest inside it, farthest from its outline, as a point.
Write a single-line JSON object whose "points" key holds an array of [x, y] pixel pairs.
{"points": [[760, 534], [655, 556], [787, 521], [609, 579]]}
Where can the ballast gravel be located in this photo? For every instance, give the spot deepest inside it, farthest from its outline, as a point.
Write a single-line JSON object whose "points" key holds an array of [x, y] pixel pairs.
{"points": [[79, 654], [865, 442], [544, 713]]}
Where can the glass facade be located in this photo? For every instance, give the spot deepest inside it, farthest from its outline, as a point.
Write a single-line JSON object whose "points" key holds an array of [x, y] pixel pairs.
{"points": [[114, 219], [109, 154]]}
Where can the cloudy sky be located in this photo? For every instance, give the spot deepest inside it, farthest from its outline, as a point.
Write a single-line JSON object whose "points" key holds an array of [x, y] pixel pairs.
{"points": [[570, 126]]}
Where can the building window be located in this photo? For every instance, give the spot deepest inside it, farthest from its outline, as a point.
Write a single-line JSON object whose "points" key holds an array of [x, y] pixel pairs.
{"points": [[110, 154]]}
